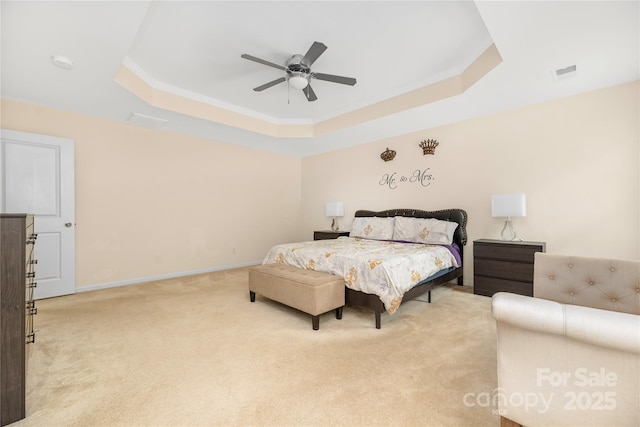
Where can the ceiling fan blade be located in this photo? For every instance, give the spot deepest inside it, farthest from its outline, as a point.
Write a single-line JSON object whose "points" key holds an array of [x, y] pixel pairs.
{"points": [[309, 93], [268, 85], [313, 53], [262, 61], [335, 79]]}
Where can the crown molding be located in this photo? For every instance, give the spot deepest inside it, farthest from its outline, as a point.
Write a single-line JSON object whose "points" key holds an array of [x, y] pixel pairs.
{"points": [[161, 95]]}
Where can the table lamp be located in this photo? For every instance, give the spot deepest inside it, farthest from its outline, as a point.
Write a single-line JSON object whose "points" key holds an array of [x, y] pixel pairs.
{"points": [[508, 205], [334, 210]]}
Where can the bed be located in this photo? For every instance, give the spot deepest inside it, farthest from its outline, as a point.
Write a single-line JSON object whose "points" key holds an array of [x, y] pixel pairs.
{"points": [[389, 263]]}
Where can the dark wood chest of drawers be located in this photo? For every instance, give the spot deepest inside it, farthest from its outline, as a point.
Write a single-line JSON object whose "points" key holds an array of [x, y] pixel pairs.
{"points": [[17, 279], [504, 266]]}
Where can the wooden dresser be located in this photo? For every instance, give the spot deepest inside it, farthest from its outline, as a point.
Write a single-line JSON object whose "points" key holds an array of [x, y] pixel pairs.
{"points": [[17, 280], [504, 266]]}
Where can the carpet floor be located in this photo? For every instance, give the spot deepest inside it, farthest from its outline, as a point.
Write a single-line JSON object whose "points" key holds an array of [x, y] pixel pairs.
{"points": [[194, 351]]}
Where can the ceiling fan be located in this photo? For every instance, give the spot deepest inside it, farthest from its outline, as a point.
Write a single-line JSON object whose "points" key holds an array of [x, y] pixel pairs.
{"points": [[298, 71]]}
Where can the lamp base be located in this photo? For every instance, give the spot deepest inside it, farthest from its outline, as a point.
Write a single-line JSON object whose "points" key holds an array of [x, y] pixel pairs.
{"points": [[508, 233], [334, 224]]}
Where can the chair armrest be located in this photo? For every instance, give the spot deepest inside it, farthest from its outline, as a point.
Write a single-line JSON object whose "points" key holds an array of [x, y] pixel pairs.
{"points": [[603, 328], [553, 352]]}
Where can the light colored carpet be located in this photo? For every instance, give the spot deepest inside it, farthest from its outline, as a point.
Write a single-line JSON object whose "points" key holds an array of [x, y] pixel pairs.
{"points": [[195, 352]]}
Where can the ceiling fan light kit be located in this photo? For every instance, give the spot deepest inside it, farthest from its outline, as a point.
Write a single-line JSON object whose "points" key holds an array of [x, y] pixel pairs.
{"points": [[298, 71], [298, 81]]}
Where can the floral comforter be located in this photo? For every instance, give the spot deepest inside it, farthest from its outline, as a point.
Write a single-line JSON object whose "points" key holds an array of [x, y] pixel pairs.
{"points": [[383, 268]]}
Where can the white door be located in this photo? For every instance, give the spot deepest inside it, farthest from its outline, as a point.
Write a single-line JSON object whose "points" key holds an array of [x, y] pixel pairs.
{"points": [[37, 177]]}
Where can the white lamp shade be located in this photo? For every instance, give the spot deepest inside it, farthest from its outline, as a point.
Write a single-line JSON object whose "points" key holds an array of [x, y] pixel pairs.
{"points": [[508, 205], [335, 209], [298, 82]]}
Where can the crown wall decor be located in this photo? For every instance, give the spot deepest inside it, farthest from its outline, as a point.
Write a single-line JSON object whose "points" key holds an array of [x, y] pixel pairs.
{"points": [[428, 146], [388, 155]]}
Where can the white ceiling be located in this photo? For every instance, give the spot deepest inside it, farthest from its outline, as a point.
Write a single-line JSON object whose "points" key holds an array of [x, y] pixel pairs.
{"points": [[192, 50]]}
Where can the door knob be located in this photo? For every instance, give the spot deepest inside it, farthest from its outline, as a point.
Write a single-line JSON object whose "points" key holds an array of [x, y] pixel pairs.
{"points": [[68, 224]]}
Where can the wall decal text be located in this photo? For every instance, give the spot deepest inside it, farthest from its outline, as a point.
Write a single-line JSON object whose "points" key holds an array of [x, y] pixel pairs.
{"points": [[392, 180]]}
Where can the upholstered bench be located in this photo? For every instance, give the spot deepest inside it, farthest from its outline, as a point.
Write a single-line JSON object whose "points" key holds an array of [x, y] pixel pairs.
{"points": [[309, 291]]}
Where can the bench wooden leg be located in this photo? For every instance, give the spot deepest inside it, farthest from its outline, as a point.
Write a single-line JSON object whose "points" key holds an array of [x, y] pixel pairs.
{"points": [[252, 296], [339, 313], [506, 422], [378, 320], [315, 322]]}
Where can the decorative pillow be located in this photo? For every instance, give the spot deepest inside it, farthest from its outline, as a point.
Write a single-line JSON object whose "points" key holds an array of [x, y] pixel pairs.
{"points": [[372, 228], [424, 230]]}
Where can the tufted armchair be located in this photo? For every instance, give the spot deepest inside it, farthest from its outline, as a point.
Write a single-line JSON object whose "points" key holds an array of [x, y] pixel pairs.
{"points": [[570, 355]]}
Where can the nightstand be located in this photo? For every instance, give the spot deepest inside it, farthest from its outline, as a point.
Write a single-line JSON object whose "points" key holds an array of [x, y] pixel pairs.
{"points": [[504, 266], [328, 234]]}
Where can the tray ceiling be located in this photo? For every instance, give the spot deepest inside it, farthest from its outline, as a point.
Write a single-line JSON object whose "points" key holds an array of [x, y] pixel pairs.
{"points": [[418, 64]]}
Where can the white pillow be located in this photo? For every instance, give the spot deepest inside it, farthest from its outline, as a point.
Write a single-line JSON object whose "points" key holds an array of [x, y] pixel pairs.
{"points": [[372, 228], [424, 230]]}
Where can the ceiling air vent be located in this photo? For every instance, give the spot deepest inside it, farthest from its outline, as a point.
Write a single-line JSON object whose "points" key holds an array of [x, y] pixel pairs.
{"points": [[565, 73], [146, 121]]}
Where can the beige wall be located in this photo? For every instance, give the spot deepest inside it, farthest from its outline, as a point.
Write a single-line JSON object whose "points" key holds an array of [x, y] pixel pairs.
{"points": [[577, 160], [151, 203]]}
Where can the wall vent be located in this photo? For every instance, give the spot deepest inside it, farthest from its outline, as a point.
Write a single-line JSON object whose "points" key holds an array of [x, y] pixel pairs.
{"points": [[146, 121], [565, 73]]}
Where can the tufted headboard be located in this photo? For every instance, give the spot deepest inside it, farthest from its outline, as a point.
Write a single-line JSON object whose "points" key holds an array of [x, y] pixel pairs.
{"points": [[608, 284], [454, 215]]}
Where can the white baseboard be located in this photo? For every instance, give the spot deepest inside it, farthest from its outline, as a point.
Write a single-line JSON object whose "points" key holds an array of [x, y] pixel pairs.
{"points": [[163, 276]]}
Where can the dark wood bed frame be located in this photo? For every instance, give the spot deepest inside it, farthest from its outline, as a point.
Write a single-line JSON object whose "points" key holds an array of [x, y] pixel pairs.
{"points": [[373, 302]]}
